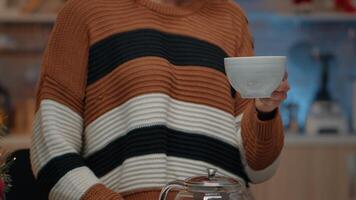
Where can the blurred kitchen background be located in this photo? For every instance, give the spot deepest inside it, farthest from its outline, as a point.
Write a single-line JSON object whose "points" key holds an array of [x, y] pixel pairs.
{"points": [[319, 38]]}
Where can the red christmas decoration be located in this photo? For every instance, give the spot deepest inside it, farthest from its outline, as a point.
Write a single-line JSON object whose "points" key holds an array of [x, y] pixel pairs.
{"points": [[345, 6], [302, 1], [2, 188]]}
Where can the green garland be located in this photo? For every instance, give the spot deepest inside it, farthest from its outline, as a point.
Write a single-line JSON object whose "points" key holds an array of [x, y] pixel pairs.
{"points": [[4, 174]]}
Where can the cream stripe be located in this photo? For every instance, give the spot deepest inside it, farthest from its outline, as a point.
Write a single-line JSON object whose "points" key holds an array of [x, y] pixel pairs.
{"points": [[262, 175], [159, 109], [155, 171], [57, 130], [238, 135], [73, 185]]}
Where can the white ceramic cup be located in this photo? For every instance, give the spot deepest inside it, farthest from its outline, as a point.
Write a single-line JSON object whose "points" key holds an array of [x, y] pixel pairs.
{"points": [[255, 76]]}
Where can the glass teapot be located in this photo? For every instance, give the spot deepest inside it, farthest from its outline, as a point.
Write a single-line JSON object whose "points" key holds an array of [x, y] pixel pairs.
{"points": [[209, 187]]}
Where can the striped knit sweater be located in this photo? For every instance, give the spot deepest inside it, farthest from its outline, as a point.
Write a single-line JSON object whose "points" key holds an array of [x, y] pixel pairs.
{"points": [[133, 94]]}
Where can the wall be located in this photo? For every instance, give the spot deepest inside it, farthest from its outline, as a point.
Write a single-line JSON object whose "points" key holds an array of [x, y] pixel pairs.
{"points": [[278, 36], [273, 36]]}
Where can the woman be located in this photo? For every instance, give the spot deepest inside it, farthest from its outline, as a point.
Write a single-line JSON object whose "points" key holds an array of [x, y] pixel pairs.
{"points": [[133, 94]]}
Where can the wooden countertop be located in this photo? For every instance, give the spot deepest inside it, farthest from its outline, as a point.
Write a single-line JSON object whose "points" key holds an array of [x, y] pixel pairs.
{"points": [[324, 140]]}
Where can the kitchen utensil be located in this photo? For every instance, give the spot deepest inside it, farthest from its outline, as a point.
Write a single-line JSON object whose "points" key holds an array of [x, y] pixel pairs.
{"points": [[255, 76], [292, 109], [325, 115], [210, 187]]}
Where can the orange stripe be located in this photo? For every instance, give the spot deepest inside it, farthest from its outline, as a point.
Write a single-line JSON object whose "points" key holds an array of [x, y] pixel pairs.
{"points": [[155, 75], [50, 89], [104, 18], [99, 191], [121, 16]]}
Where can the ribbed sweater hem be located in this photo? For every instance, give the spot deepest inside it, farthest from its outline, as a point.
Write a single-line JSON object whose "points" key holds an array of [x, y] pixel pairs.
{"points": [[100, 192], [147, 194]]}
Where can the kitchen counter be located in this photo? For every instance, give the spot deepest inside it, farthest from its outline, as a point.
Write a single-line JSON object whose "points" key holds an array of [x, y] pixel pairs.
{"points": [[324, 140], [313, 168]]}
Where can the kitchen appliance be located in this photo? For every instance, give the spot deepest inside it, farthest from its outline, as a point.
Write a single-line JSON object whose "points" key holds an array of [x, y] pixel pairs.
{"points": [[325, 115], [210, 187], [292, 110]]}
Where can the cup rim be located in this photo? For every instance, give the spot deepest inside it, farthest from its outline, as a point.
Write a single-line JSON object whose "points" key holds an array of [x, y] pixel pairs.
{"points": [[255, 57]]}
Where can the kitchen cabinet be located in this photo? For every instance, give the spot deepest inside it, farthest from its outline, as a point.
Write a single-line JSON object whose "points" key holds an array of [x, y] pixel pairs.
{"points": [[22, 41], [313, 168]]}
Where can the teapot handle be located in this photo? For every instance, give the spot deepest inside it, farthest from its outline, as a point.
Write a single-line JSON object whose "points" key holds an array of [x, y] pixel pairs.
{"points": [[169, 186]]}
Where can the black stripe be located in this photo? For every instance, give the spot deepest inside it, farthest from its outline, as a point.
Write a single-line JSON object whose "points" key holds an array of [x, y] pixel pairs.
{"points": [[109, 53], [232, 92], [55, 169], [160, 139]]}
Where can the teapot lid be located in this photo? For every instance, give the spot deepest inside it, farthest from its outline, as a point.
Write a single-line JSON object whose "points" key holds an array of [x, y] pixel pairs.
{"points": [[213, 181]]}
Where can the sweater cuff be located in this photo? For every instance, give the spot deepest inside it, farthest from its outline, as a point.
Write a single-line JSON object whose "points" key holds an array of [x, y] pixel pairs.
{"points": [[100, 192], [265, 116], [262, 140]]}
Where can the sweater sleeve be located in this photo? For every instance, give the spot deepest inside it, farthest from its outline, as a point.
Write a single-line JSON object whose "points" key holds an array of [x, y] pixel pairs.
{"points": [[262, 141], [56, 159]]}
